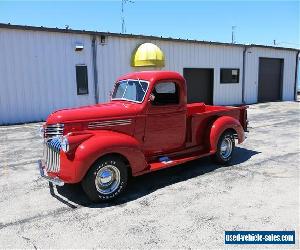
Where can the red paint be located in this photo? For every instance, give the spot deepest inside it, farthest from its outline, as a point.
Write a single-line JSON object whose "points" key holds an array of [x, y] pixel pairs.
{"points": [[141, 132]]}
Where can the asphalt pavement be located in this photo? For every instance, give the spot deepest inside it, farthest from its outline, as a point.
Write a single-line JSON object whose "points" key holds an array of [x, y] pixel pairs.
{"points": [[187, 206]]}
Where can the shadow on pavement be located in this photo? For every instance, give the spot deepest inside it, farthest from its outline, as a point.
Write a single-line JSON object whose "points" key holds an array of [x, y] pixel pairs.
{"points": [[146, 184]]}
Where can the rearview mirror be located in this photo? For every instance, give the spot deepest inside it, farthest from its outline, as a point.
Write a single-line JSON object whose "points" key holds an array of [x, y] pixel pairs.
{"points": [[151, 97]]}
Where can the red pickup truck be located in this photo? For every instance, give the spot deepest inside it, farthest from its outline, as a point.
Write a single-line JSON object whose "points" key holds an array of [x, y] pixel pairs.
{"points": [[146, 126]]}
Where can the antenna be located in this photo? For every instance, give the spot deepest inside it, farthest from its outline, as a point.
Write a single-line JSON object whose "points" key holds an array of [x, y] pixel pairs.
{"points": [[233, 34], [123, 2]]}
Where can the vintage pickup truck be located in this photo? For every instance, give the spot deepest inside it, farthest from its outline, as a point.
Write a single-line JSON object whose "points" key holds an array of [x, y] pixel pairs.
{"points": [[147, 126]]}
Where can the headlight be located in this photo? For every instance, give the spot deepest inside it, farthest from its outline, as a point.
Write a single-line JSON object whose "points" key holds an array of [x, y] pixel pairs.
{"points": [[41, 131], [65, 144]]}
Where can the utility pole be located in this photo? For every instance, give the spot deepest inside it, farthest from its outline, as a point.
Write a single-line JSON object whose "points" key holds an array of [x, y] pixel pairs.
{"points": [[233, 34], [123, 2]]}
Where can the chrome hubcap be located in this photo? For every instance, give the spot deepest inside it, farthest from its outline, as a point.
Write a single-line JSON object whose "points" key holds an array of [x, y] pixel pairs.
{"points": [[226, 147], [107, 179]]}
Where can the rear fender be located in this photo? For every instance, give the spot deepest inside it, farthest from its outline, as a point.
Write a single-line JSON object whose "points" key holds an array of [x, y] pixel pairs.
{"points": [[102, 143], [219, 126]]}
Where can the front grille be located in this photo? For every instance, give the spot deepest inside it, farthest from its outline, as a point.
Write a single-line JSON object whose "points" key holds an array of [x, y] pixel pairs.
{"points": [[54, 130], [52, 149]]}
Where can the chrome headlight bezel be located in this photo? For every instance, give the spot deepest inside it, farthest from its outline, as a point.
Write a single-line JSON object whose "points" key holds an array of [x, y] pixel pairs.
{"points": [[64, 143]]}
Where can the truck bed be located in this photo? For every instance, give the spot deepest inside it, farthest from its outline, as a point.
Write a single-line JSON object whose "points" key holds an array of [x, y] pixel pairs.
{"points": [[195, 109], [199, 108], [200, 117]]}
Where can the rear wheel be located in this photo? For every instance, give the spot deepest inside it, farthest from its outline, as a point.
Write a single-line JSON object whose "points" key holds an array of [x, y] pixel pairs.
{"points": [[225, 148], [106, 179]]}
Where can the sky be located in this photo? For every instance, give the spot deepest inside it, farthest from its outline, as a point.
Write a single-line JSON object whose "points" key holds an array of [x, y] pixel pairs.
{"points": [[257, 22]]}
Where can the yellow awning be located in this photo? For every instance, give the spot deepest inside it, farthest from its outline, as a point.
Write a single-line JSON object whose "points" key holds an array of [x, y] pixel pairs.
{"points": [[148, 55]]}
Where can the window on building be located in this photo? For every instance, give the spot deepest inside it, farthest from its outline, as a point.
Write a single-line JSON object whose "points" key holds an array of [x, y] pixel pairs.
{"points": [[230, 75], [82, 80], [165, 93]]}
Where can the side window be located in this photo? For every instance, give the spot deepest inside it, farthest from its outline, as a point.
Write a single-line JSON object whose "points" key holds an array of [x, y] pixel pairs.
{"points": [[82, 80], [165, 93]]}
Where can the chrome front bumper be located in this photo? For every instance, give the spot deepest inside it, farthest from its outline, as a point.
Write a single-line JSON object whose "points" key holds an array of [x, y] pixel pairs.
{"points": [[54, 180]]}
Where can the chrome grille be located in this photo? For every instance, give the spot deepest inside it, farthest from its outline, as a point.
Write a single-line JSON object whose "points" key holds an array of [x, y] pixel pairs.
{"points": [[54, 130], [51, 154]]}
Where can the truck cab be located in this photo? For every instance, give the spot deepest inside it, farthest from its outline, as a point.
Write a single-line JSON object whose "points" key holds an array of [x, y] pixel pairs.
{"points": [[163, 114], [146, 126]]}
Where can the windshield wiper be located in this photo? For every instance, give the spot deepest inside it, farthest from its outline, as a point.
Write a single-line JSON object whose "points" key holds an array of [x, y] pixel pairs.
{"points": [[125, 90]]}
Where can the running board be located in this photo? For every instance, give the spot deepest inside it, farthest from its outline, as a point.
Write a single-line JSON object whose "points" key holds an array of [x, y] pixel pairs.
{"points": [[165, 162]]}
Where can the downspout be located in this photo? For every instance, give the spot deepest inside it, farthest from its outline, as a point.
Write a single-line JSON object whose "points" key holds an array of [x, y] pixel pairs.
{"points": [[95, 72], [296, 76], [244, 74]]}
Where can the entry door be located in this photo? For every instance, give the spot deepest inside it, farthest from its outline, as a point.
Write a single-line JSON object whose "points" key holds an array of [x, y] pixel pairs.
{"points": [[270, 79], [200, 84]]}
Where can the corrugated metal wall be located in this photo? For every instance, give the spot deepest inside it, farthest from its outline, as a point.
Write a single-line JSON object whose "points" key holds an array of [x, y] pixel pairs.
{"points": [[37, 69], [252, 69], [114, 60], [37, 74]]}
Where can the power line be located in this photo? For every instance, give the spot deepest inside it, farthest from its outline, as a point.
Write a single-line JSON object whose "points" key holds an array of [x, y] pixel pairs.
{"points": [[289, 43]]}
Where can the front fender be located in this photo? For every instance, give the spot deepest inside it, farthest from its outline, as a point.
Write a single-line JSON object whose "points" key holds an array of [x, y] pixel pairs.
{"points": [[219, 126], [99, 144]]}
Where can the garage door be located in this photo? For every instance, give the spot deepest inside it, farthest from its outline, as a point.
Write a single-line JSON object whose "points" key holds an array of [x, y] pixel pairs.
{"points": [[199, 85], [270, 79]]}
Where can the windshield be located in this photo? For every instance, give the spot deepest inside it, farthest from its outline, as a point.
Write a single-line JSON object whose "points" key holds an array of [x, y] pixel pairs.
{"points": [[130, 90]]}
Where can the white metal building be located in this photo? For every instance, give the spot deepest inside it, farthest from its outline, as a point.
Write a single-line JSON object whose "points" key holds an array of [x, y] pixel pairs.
{"points": [[45, 69]]}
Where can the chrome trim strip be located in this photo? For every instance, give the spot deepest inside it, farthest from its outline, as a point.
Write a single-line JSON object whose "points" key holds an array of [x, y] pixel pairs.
{"points": [[53, 133], [109, 123], [112, 125], [56, 125], [53, 130]]}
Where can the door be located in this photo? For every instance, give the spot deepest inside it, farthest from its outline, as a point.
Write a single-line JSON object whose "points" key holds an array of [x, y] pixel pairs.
{"points": [[270, 79], [200, 84], [165, 120]]}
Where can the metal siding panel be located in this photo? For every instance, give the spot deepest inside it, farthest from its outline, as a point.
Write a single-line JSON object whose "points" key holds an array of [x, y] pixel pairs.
{"points": [[38, 73], [37, 70], [178, 56]]}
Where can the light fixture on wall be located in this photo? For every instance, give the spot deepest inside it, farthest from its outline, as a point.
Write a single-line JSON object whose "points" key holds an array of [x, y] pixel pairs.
{"points": [[79, 47], [103, 39]]}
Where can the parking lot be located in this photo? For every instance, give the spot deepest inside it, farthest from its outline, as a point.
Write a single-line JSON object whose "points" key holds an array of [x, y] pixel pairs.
{"points": [[188, 206]]}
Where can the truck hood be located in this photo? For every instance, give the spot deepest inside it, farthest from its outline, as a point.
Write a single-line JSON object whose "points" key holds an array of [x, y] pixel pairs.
{"points": [[103, 111]]}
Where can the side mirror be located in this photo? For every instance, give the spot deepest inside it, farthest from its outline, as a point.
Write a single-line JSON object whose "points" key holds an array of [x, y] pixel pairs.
{"points": [[151, 97]]}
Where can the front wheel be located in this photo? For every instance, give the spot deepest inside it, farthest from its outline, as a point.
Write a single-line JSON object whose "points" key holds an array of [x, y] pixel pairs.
{"points": [[225, 148], [106, 179]]}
